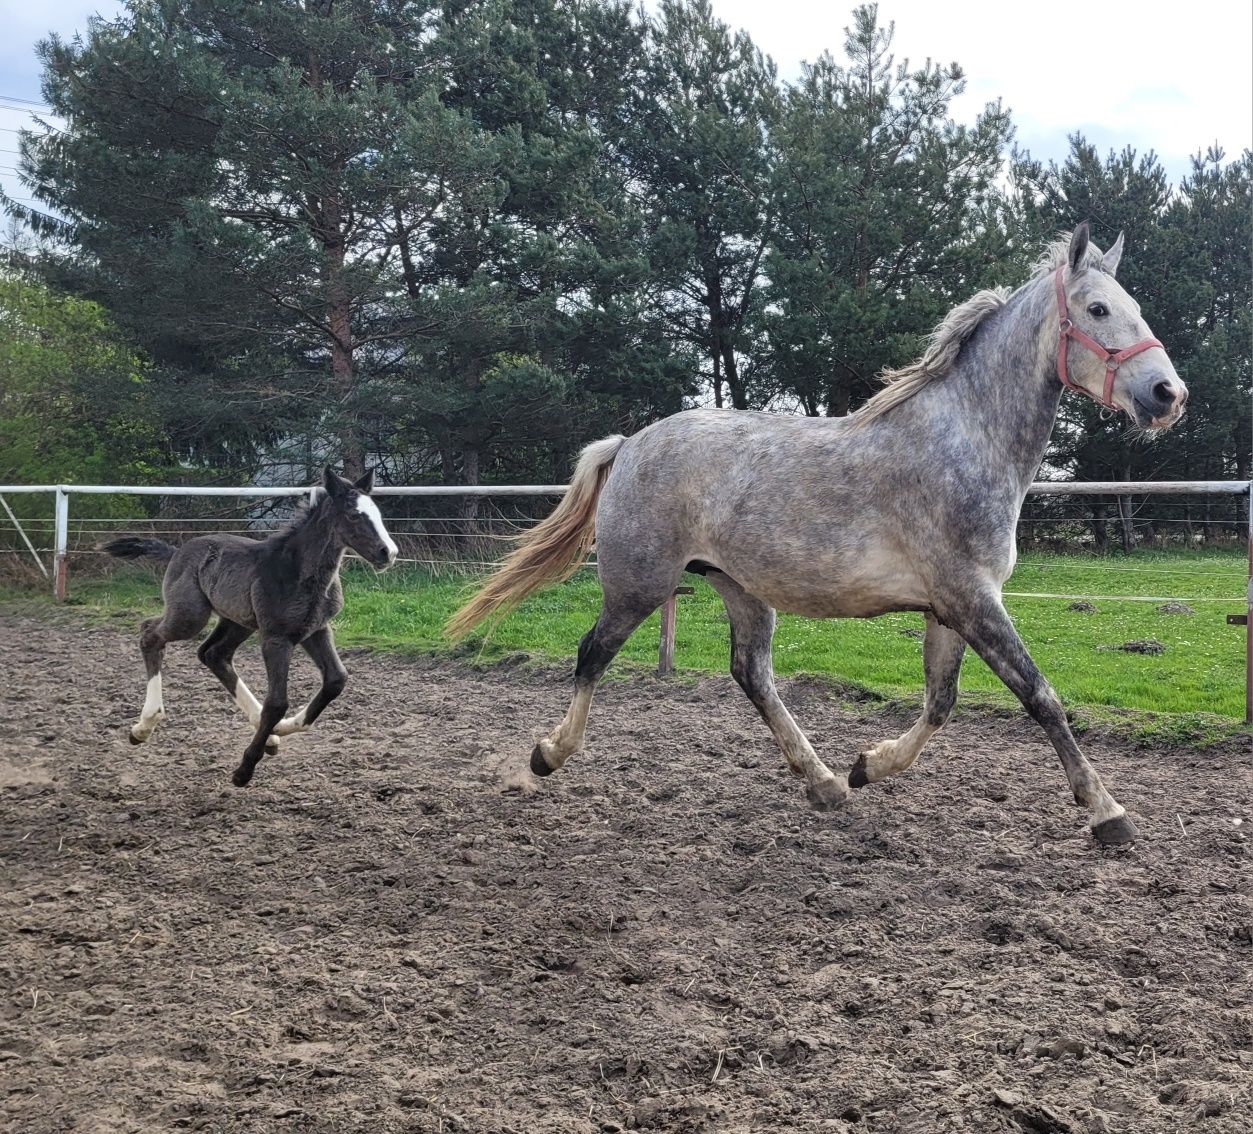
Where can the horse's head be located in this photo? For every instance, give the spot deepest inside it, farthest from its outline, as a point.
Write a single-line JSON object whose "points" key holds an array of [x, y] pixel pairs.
{"points": [[358, 522], [1105, 349]]}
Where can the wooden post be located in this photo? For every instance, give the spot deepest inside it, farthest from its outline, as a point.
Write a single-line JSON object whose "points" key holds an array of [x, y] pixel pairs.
{"points": [[1248, 621], [665, 651]]}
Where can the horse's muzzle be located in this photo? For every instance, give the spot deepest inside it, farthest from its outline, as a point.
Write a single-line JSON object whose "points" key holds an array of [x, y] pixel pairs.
{"points": [[1159, 401]]}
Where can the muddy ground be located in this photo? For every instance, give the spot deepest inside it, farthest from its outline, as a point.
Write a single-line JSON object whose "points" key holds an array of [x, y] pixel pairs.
{"points": [[664, 937]]}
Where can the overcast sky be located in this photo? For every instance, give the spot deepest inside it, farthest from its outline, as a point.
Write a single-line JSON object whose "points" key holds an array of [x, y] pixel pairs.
{"points": [[1171, 78]]}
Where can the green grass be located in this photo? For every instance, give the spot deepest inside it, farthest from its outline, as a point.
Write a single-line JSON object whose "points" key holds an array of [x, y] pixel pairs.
{"points": [[1200, 675]]}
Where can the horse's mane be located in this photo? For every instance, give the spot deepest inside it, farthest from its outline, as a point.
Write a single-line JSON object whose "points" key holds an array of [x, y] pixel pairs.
{"points": [[304, 513], [944, 344]]}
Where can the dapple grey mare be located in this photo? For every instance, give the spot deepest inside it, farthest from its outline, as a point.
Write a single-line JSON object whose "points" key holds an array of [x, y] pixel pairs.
{"points": [[909, 504]]}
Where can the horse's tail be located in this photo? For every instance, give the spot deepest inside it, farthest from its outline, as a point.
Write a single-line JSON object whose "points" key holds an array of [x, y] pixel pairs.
{"points": [[552, 550], [136, 547]]}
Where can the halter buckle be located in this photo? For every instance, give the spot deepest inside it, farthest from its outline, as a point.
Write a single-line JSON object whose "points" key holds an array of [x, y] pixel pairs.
{"points": [[1067, 326]]}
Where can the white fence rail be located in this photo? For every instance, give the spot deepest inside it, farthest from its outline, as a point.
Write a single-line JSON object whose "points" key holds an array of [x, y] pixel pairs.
{"points": [[62, 493]]}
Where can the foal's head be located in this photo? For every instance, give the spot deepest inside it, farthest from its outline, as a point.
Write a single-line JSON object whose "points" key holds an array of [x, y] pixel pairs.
{"points": [[1106, 349], [357, 520]]}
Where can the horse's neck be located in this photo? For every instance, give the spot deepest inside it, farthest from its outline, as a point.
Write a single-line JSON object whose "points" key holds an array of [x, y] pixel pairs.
{"points": [[1003, 392], [315, 547]]}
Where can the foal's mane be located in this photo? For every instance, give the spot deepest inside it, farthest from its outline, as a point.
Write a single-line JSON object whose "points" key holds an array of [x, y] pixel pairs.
{"points": [[944, 344], [303, 515]]}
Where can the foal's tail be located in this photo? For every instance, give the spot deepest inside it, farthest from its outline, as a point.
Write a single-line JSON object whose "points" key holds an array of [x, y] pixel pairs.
{"points": [[135, 547], [552, 550]]}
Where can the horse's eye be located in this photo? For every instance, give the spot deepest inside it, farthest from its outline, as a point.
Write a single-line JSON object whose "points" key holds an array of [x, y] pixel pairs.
{"points": [[1097, 310]]}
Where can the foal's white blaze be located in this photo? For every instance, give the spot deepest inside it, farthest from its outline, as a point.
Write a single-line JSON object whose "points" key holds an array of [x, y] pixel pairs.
{"points": [[367, 507], [152, 712]]}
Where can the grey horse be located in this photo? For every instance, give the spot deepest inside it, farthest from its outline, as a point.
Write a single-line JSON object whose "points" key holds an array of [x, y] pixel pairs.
{"points": [[287, 587], [909, 504]]}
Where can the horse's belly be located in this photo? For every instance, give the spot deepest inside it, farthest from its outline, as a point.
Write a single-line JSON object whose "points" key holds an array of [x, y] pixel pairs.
{"points": [[873, 584]]}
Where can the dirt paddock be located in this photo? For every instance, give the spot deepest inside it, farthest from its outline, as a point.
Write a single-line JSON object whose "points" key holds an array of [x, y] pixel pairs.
{"points": [[373, 937]]}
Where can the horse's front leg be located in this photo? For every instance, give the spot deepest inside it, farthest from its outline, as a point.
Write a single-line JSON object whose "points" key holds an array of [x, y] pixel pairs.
{"points": [[320, 646], [277, 655], [942, 652], [983, 622]]}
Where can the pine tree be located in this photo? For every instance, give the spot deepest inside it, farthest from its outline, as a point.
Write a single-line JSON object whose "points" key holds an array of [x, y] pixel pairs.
{"points": [[887, 215]]}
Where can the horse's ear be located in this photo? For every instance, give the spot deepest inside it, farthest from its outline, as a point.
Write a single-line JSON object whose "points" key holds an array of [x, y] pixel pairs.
{"points": [[334, 484], [1110, 260], [366, 483], [1078, 248]]}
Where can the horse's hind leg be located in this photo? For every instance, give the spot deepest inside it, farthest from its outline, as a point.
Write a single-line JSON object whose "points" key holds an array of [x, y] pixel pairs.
{"points": [[177, 623], [752, 631], [619, 616], [942, 652], [982, 621]]}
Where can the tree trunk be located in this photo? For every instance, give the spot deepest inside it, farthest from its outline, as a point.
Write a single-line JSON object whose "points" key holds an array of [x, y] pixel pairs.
{"points": [[1100, 532], [470, 504], [738, 397], [1128, 528]]}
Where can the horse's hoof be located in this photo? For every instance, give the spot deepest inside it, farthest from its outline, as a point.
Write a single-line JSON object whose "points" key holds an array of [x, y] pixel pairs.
{"points": [[857, 773], [133, 738], [242, 776], [1115, 832], [538, 764], [271, 747], [826, 795]]}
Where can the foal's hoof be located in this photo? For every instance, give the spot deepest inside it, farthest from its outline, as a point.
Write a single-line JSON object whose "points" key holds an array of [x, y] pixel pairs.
{"points": [[1114, 832], [271, 747], [857, 773], [539, 766], [135, 739], [242, 776], [827, 795]]}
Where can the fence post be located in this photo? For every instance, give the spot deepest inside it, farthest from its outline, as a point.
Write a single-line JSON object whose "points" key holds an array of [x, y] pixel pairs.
{"points": [[61, 543], [665, 650]]}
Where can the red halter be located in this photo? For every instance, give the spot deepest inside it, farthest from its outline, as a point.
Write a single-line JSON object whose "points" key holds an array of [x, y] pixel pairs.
{"points": [[1112, 361]]}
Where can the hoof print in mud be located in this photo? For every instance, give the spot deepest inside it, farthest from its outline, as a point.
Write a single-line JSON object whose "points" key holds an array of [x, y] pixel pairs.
{"points": [[539, 766], [1115, 832]]}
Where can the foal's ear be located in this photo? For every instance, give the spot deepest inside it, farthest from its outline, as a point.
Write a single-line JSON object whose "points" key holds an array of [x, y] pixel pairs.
{"points": [[336, 486], [1110, 260], [366, 483], [1078, 248]]}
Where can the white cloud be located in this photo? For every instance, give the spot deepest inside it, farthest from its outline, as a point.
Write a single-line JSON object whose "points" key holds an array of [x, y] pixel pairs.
{"points": [[1172, 79]]}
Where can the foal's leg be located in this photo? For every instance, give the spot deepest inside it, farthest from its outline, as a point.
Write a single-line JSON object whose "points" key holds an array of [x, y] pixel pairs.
{"points": [[752, 631], [176, 623], [277, 655], [984, 624], [941, 660], [217, 652], [618, 619], [320, 646]]}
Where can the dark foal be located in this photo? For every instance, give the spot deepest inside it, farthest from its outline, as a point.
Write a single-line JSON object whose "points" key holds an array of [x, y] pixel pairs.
{"points": [[286, 587]]}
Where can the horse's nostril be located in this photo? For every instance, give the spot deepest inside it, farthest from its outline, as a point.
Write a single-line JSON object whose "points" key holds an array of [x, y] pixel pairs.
{"points": [[1164, 392]]}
